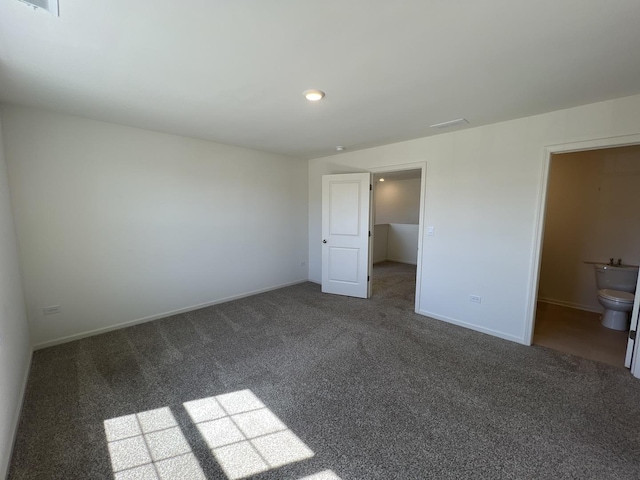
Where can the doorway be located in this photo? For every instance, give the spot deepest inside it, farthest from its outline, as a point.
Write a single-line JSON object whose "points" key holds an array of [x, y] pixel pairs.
{"points": [[396, 234], [590, 217]]}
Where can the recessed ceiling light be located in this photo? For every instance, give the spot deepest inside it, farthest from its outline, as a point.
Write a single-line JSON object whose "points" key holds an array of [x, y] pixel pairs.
{"points": [[381, 180], [340, 148], [313, 95]]}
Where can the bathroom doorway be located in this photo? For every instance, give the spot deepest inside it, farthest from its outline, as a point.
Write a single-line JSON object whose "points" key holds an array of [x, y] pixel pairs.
{"points": [[590, 217], [396, 234]]}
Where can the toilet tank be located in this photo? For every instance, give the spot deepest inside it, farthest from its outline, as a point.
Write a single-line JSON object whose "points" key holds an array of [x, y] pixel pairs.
{"points": [[620, 278]]}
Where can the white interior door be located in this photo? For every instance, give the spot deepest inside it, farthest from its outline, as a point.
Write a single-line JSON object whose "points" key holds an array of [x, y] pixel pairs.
{"points": [[346, 209], [631, 343]]}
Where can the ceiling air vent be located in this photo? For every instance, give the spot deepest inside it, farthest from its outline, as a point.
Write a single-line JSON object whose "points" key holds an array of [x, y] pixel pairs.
{"points": [[50, 6], [451, 123]]}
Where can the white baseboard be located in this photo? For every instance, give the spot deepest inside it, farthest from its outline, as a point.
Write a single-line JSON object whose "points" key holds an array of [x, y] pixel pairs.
{"points": [[18, 412], [158, 316], [477, 328], [562, 303]]}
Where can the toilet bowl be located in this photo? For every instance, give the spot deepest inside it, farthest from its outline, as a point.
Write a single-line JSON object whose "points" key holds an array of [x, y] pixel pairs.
{"points": [[615, 285], [617, 306]]}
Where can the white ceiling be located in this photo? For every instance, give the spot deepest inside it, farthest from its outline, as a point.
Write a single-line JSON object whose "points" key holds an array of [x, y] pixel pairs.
{"points": [[233, 71]]}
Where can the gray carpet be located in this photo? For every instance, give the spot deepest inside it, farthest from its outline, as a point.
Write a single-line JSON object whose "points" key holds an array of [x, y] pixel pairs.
{"points": [[374, 390]]}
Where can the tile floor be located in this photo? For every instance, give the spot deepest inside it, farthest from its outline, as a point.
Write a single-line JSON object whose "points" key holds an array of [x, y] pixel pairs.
{"points": [[579, 333]]}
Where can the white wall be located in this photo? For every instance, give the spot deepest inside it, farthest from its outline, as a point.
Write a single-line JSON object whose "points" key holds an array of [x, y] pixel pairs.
{"points": [[592, 214], [117, 224], [380, 242], [403, 243], [15, 346], [397, 242], [482, 188], [397, 211], [397, 201]]}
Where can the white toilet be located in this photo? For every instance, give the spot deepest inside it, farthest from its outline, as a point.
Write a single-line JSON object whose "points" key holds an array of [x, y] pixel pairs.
{"points": [[615, 284]]}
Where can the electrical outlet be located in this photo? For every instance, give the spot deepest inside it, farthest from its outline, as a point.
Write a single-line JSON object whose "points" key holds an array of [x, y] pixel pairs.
{"points": [[430, 230], [51, 310], [475, 298]]}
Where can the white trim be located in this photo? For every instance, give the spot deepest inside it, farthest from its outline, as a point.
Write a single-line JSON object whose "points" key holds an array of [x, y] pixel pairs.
{"points": [[632, 345], [595, 144], [18, 412], [158, 316], [399, 167], [477, 328], [371, 235], [536, 254], [421, 220], [577, 306]]}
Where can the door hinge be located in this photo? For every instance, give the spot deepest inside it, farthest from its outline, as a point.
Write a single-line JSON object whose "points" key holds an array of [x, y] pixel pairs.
{"points": [[369, 232], [367, 278], [632, 334], [370, 187]]}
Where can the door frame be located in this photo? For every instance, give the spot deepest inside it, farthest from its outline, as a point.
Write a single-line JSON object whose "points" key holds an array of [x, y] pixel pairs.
{"points": [[628, 358], [423, 188], [540, 217]]}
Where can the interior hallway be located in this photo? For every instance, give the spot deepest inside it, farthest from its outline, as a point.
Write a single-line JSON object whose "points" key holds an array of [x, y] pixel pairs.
{"points": [[580, 333], [395, 284]]}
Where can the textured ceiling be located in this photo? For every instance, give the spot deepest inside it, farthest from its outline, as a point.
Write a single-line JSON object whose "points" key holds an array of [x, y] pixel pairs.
{"points": [[234, 71]]}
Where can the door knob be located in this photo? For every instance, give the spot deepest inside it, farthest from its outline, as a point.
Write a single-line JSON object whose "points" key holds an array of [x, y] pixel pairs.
{"points": [[324, 241]]}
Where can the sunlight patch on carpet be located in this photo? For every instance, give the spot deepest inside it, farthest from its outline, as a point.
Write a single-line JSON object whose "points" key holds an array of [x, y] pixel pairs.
{"points": [[244, 436], [150, 446]]}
